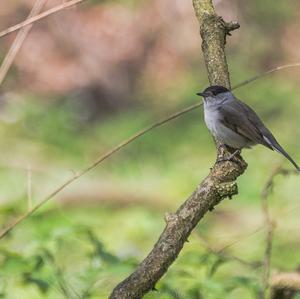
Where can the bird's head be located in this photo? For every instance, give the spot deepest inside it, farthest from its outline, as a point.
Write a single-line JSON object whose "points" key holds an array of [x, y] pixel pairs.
{"points": [[213, 91]]}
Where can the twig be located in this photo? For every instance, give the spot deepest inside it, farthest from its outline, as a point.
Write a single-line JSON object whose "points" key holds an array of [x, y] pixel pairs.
{"points": [[29, 188], [268, 188], [40, 16], [95, 164], [21, 36], [263, 74], [227, 256], [232, 243], [270, 225]]}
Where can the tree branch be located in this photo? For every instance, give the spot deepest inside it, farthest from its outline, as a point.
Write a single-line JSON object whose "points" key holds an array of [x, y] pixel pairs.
{"points": [[213, 30], [219, 184]]}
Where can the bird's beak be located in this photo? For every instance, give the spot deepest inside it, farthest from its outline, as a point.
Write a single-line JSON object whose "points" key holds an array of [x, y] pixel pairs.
{"points": [[200, 94]]}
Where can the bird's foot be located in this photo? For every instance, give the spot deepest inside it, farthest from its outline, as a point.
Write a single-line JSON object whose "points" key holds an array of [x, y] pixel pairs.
{"points": [[230, 158]]}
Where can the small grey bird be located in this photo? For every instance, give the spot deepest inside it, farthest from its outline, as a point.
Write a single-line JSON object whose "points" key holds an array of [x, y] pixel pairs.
{"points": [[235, 124]]}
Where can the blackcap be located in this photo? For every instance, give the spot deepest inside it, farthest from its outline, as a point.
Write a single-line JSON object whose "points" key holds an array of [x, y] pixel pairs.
{"points": [[235, 124]]}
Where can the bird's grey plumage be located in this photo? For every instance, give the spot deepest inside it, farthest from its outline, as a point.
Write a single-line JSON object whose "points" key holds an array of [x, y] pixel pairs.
{"points": [[235, 124]]}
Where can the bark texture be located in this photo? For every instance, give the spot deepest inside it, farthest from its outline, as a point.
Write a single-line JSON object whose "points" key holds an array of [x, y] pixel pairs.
{"points": [[219, 184], [213, 30]]}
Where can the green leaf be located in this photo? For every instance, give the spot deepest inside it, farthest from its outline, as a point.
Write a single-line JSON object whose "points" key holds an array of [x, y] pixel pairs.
{"points": [[42, 285], [215, 266], [100, 251]]}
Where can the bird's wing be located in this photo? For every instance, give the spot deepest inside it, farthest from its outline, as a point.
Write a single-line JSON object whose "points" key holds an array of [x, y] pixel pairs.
{"points": [[240, 118]]}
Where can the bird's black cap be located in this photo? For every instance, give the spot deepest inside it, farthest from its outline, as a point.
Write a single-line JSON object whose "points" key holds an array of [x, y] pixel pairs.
{"points": [[213, 91]]}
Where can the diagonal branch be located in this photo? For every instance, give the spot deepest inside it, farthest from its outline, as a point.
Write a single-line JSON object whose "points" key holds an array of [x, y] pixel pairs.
{"points": [[219, 184]]}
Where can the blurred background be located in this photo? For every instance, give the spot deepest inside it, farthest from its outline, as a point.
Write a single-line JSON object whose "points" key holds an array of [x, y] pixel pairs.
{"points": [[89, 77]]}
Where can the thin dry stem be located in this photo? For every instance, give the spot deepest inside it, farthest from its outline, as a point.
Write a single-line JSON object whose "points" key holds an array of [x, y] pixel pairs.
{"points": [[270, 225], [266, 191], [17, 44], [39, 17], [268, 249], [29, 187], [94, 165], [263, 74], [225, 255]]}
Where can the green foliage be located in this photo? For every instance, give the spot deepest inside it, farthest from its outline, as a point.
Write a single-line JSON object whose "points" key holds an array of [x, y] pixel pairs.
{"points": [[85, 251], [84, 247]]}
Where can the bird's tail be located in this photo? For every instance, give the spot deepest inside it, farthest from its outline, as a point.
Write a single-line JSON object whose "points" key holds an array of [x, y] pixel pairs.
{"points": [[280, 150]]}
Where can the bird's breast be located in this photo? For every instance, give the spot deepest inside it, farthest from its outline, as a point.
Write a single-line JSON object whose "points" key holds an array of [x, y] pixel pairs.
{"points": [[223, 133], [212, 118]]}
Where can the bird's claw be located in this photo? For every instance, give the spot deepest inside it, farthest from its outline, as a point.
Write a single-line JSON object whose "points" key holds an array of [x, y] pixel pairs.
{"points": [[230, 158]]}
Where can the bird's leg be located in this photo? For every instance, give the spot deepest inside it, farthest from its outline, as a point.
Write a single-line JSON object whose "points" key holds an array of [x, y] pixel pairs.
{"points": [[230, 158], [235, 153]]}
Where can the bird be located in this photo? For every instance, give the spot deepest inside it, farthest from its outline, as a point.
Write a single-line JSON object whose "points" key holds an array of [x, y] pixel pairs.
{"points": [[235, 124]]}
